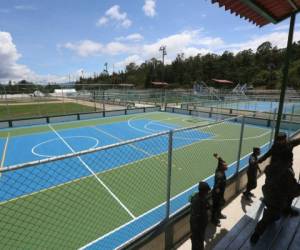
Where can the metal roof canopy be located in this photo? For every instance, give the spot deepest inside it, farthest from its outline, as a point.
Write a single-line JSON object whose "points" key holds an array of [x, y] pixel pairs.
{"points": [[260, 13]]}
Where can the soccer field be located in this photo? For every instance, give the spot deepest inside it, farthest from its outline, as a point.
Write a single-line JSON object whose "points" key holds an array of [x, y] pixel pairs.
{"points": [[17, 111], [108, 194]]}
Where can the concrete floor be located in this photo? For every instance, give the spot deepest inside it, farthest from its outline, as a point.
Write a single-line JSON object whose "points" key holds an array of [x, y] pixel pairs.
{"points": [[236, 209]]}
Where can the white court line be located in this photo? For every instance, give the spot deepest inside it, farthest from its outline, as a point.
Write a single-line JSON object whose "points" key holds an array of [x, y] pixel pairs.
{"points": [[93, 173], [4, 151]]}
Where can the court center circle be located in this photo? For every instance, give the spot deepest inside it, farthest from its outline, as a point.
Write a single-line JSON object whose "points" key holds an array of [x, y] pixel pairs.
{"points": [[35, 149]]}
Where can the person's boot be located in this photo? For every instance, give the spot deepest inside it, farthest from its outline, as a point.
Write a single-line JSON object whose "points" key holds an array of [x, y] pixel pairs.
{"points": [[222, 216]]}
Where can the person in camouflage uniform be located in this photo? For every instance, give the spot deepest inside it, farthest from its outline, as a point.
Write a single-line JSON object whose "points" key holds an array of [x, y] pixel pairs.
{"points": [[199, 215], [252, 173], [218, 191]]}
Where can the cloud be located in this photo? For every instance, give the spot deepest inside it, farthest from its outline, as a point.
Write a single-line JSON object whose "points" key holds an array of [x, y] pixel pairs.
{"points": [[9, 67], [25, 7], [87, 48], [130, 59], [149, 8], [114, 14], [284, 27], [278, 39], [191, 43], [178, 43], [135, 37]]}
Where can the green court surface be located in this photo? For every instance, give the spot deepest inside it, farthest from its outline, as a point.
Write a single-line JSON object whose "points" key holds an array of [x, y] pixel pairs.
{"points": [[17, 111], [72, 214]]}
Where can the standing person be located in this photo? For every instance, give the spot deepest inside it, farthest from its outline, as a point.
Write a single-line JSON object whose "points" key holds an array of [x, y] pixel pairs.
{"points": [[199, 216], [281, 154], [252, 173], [218, 191]]}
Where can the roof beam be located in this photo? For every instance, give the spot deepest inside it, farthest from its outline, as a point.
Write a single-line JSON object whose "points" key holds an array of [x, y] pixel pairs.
{"points": [[260, 10], [293, 5]]}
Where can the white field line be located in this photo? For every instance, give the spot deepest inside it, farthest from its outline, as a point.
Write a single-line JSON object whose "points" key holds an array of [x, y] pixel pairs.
{"points": [[4, 151], [149, 211], [93, 173]]}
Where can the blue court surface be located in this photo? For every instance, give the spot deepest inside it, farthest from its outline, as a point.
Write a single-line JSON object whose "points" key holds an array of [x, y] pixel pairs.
{"points": [[261, 106]]}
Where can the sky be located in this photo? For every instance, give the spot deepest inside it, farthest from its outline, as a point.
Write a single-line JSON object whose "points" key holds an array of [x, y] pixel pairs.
{"points": [[58, 40]]}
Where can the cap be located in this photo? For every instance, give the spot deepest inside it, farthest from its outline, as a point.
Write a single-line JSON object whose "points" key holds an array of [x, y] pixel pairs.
{"points": [[281, 136], [203, 186], [256, 149]]}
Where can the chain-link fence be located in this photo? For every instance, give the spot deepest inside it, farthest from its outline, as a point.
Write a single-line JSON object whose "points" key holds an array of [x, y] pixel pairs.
{"points": [[106, 196]]}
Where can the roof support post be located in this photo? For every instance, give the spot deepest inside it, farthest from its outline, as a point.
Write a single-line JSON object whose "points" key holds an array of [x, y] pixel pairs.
{"points": [[285, 72]]}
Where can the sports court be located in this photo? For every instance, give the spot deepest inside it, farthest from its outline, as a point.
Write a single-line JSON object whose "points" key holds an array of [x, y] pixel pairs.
{"points": [[263, 106], [114, 189]]}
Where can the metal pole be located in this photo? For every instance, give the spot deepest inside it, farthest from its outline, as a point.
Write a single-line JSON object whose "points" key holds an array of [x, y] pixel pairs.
{"points": [[6, 101], [293, 111], [95, 104], [169, 174], [239, 153], [285, 72], [273, 127]]}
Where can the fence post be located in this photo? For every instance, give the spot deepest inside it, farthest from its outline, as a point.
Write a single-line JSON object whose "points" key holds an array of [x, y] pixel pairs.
{"points": [[6, 101], [273, 127], [168, 229], [293, 111], [239, 153], [169, 173]]}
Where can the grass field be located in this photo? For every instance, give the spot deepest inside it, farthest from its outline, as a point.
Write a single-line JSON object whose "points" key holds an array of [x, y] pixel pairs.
{"points": [[79, 210], [17, 111]]}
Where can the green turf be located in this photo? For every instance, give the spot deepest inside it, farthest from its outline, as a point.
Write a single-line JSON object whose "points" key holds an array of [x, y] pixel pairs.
{"points": [[44, 109], [78, 212]]}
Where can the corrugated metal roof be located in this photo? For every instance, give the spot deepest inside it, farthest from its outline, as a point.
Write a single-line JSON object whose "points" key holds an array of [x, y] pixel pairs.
{"points": [[261, 12]]}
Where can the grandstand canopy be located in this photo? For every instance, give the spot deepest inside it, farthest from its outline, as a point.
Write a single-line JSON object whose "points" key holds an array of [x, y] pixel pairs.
{"points": [[261, 12]]}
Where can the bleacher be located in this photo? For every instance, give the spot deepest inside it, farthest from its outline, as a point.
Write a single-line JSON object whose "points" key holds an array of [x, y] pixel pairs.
{"points": [[283, 234]]}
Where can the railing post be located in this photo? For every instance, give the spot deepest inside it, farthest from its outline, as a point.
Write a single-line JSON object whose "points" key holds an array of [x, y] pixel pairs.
{"points": [[239, 153], [169, 173]]}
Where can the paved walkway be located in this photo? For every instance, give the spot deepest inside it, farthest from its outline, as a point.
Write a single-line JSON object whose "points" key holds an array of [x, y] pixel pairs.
{"points": [[236, 210]]}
